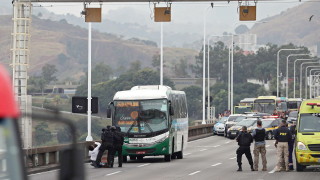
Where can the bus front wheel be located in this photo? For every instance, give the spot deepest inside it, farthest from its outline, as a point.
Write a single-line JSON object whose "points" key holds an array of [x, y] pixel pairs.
{"points": [[167, 158]]}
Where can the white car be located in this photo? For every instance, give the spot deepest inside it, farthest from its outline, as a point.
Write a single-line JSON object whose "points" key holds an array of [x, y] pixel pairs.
{"points": [[219, 126]]}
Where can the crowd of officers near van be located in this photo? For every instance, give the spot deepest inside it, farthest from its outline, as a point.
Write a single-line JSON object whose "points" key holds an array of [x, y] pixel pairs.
{"points": [[112, 140], [284, 143]]}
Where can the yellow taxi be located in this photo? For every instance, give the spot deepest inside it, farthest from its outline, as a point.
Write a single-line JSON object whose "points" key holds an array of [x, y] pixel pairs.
{"points": [[307, 143]]}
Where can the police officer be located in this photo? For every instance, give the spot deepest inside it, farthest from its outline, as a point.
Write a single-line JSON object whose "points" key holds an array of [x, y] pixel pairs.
{"points": [[107, 144], [118, 142], [259, 136], [291, 144], [244, 140], [282, 136]]}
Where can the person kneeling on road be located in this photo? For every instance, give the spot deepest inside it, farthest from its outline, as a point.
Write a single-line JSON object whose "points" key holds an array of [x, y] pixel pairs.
{"points": [[93, 152], [259, 135], [244, 140]]}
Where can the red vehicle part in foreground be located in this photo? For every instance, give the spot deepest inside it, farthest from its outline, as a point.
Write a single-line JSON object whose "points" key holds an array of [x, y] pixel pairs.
{"points": [[8, 105]]}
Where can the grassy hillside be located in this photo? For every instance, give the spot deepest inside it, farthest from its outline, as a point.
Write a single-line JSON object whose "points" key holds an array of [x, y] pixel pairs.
{"points": [[292, 25], [65, 45]]}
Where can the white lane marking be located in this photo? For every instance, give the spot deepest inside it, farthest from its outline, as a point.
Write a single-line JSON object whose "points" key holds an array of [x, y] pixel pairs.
{"points": [[233, 158], [186, 154], [113, 173], [228, 142], [207, 146], [144, 165], [43, 172], [200, 139], [194, 173], [216, 146], [216, 164], [274, 170], [203, 150]]}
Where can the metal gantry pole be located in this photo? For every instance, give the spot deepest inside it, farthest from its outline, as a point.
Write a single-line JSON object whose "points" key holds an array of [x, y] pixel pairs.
{"points": [[161, 53], [89, 136], [208, 111], [231, 98], [229, 79], [287, 72]]}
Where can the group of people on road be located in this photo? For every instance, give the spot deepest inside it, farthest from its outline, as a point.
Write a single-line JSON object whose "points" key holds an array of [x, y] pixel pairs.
{"points": [[112, 141], [226, 113], [284, 143]]}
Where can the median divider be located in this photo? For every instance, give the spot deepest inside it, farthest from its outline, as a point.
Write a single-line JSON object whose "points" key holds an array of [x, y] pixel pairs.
{"points": [[46, 158]]}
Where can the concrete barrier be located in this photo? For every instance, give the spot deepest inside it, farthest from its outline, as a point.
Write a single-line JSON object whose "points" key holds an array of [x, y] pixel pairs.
{"points": [[47, 158]]}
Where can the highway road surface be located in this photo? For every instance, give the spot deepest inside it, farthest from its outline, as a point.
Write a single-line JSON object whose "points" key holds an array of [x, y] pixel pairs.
{"points": [[209, 158]]}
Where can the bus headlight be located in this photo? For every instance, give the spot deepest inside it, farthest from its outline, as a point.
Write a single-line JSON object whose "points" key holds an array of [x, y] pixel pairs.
{"points": [[162, 139], [301, 146]]}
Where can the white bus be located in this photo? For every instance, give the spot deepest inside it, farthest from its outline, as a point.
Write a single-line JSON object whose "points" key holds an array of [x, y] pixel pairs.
{"points": [[154, 120]]}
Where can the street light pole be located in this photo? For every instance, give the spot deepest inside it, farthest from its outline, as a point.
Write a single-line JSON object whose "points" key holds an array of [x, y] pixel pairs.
{"points": [[278, 56], [204, 67], [294, 75], [209, 71], [301, 69], [287, 72], [310, 89], [232, 49], [306, 79]]}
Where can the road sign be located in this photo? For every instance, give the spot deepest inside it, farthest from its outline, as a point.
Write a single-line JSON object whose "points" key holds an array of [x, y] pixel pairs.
{"points": [[80, 105]]}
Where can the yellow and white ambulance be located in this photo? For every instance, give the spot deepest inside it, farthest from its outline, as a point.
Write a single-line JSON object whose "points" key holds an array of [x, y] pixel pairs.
{"points": [[307, 141]]}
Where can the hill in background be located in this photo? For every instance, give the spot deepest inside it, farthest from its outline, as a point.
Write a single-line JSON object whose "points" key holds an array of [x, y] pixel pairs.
{"points": [[65, 45], [293, 26]]}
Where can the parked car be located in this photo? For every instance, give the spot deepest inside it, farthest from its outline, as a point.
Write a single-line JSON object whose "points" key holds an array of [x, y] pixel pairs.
{"points": [[293, 115], [232, 120], [269, 124], [234, 130], [218, 128]]}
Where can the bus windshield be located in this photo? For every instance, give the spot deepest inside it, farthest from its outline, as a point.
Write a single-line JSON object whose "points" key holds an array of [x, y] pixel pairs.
{"points": [[309, 122], [293, 104], [143, 116], [264, 106]]}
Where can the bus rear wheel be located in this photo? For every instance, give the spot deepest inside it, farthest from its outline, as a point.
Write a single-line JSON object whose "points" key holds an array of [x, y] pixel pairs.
{"points": [[180, 153]]}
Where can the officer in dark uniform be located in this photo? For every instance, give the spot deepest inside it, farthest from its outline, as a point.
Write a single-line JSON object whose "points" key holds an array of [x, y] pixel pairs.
{"points": [[244, 140], [118, 142], [291, 144], [107, 144], [282, 136]]}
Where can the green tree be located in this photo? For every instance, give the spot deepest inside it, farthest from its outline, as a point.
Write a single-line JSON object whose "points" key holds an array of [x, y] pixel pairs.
{"points": [[42, 134], [101, 73], [194, 101], [181, 69], [48, 73]]}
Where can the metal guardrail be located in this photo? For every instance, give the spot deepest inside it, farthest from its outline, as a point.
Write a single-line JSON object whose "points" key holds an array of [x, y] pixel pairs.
{"points": [[49, 155]]}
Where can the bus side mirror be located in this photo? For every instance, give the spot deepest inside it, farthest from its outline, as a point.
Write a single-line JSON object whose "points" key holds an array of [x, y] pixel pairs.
{"points": [[171, 111], [108, 112]]}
